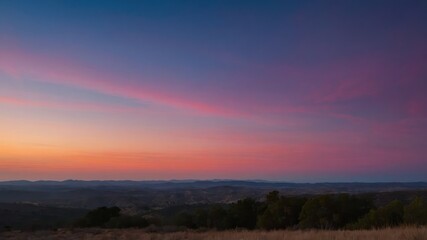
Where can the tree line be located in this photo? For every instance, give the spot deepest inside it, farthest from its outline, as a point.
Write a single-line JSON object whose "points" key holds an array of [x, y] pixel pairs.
{"points": [[340, 211]]}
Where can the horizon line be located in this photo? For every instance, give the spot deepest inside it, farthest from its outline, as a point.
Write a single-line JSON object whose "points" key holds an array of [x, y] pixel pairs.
{"points": [[205, 180]]}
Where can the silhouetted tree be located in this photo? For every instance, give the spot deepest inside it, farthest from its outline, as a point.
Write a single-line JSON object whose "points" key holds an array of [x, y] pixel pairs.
{"points": [[98, 217], [272, 197], [317, 213], [272, 215], [387, 216], [243, 214], [332, 212], [416, 212], [218, 218], [292, 210]]}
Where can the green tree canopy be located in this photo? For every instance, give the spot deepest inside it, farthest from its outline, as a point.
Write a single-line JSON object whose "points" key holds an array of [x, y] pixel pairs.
{"points": [[416, 212]]}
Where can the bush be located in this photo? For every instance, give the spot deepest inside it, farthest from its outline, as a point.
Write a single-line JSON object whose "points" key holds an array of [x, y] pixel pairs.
{"points": [[333, 212], [416, 212], [280, 212], [388, 216], [243, 214], [98, 217]]}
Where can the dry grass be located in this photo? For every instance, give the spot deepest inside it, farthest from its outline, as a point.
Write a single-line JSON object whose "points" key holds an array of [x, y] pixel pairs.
{"points": [[404, 233]]}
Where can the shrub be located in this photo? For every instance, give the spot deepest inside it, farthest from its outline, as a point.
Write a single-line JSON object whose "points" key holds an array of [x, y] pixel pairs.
{"points": [[416, 212], [387, 216]]}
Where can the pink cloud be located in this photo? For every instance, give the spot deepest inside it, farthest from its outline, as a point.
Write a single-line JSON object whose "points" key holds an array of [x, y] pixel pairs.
{"points": [[319, 88], [19, 63], [417, 107]]}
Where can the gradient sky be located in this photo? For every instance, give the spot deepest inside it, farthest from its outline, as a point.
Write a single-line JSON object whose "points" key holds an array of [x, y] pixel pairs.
{"points": [[299, 91]]}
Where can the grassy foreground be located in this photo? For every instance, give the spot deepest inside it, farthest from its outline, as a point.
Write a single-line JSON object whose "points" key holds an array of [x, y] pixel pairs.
{"points": [[402, 233]]}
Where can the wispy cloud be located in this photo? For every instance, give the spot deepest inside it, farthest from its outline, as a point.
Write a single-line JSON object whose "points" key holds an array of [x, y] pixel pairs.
{"points": [[20, 63], [65, 105]]}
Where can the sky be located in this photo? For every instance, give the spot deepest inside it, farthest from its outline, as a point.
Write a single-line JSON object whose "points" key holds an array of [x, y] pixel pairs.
{"points": [[300, 91]]}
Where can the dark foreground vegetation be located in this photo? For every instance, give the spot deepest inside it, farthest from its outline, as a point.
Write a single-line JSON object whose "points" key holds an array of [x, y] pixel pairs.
{"points": [[273, 212], [340, 211]]}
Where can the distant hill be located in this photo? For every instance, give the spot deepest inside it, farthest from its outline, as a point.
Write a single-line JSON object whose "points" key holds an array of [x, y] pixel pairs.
{"points": [[174, 184], [143, 194]]}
